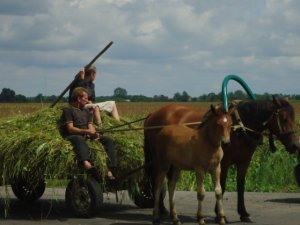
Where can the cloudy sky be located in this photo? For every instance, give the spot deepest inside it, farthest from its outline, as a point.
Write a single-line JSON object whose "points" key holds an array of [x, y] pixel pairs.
{"points": [[160, 46]]}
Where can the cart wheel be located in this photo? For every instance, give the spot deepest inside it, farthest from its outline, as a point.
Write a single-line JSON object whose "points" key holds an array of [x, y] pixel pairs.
{"points": [[297, 173], [84, 196], [25, 190], [144, 199], [143, 196]]}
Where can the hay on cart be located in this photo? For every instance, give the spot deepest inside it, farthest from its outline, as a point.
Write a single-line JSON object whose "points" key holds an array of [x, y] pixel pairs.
{"points": [[33, 144]]}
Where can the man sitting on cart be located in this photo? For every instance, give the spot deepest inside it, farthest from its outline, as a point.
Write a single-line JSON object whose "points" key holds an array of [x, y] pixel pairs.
{"points": [[78, 127]]}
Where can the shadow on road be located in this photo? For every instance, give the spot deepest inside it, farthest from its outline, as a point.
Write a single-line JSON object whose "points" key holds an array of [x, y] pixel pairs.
{"points": [[285, 200], [56, 210]]}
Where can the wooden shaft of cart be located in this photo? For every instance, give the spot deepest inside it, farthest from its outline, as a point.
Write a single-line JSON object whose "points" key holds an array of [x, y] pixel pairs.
{"points": [[88, 65]]}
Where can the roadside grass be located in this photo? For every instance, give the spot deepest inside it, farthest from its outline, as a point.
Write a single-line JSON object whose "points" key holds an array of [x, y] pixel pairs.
{"points": [[268, 172]]}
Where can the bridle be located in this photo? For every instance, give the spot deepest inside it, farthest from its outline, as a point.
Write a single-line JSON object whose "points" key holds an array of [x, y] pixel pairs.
{"points": [[281, 130]]}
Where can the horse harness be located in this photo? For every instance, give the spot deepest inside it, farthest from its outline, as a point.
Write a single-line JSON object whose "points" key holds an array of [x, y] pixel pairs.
{"points": [[241, 129], [279, 125]]}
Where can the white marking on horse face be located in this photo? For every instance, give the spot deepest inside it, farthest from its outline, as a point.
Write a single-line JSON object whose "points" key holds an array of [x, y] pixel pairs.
{"points": [[225, 120]]}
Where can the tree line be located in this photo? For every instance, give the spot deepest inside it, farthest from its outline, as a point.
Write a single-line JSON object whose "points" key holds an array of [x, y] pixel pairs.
{"points": [[120, 94]]}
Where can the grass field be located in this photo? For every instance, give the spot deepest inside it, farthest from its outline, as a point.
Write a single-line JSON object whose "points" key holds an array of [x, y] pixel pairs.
{"points": [[126, 109], [268, 172]]}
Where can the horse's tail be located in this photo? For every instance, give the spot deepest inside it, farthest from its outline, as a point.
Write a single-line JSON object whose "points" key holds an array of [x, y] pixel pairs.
{"points": [[148, 156]]}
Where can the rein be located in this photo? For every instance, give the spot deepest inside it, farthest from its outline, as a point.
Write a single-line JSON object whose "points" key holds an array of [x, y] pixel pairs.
{"points": [[144, 128]]}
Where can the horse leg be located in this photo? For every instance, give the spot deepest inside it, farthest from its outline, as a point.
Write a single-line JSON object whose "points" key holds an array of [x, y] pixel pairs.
{"points": [[241, 174], [219, 195], [159, 179], [173, 176], [223, 179], [200, 196], [162, 209]]}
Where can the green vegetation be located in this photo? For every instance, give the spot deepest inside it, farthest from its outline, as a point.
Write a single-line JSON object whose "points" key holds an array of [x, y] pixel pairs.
{"points": [[31, 141], [34, 145], [268, 172]]}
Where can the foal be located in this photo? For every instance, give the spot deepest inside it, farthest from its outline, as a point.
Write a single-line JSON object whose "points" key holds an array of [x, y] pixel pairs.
{"points": [[178, 147]]}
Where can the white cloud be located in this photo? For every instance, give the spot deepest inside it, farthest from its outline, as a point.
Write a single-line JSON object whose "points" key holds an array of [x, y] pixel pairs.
{"points": [[160, 47]]}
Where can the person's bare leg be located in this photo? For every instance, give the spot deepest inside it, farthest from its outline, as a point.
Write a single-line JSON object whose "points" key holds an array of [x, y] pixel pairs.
{"points": [[115, 113], [92, 170], [97, 115], [87, 165], [110, 175]]}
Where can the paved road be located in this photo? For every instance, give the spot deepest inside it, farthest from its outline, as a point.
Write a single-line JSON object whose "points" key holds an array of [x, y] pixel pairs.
{"points": [[265, 208]]}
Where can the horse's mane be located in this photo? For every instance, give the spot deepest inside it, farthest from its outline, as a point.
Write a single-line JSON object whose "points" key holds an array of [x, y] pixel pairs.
{"points": [[261, 109]]}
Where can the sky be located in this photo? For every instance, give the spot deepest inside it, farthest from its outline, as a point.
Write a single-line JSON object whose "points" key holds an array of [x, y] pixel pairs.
{"points": [[160, 47]]}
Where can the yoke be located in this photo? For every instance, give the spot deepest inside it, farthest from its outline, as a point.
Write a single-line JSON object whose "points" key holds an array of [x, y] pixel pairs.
{"points": [[241, 82]]}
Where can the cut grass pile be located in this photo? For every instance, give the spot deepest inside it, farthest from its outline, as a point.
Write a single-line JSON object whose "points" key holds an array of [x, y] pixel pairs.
{"points": [[33, 144]]}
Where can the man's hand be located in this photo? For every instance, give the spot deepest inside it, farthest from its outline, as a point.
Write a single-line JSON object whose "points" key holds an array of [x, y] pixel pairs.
{"points": [[80, 74], [92, 133]]}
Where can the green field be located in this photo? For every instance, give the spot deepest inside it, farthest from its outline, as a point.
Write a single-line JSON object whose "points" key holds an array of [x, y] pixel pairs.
{"points": [[269, 172]]}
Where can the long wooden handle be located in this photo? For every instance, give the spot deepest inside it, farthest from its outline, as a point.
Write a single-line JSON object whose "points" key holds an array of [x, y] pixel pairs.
{"points": [[88, 65]]}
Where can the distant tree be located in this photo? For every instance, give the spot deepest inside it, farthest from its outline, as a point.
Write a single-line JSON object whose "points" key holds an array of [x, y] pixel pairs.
{"points": [[296, 97], [52, 98], [202, 97], [177, 97], [120, 93], [20, 98], [160, 98], [139, 98], [7, 95], [39, 98], [211, 97], [266, 96], [185, 97]]}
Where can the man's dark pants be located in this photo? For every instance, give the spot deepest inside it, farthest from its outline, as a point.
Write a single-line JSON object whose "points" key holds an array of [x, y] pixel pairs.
{"points": [[82, 150]]}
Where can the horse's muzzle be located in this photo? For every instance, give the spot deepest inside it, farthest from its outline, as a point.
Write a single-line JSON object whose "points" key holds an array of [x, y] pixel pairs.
{"points": [[226, 141]]}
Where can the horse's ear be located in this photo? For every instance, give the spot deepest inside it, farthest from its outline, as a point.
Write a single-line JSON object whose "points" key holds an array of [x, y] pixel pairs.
{"points": [[213, 109], [231, 110], [276, 101]]}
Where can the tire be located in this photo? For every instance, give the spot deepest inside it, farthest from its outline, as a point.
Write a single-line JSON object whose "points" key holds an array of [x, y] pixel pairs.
{"points": [[27, 191], [297, 173], [143, 196], [84, 197]]}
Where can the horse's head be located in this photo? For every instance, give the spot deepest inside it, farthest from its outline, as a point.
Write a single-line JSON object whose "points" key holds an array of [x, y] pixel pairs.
{"points": [[222, 122], [282, 124]]}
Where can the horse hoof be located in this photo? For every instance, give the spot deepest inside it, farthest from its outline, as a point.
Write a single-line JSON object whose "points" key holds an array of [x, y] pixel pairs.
{"points": [[201, 221], [246, 219], [221, 220], [177, 222], [156, 222]]}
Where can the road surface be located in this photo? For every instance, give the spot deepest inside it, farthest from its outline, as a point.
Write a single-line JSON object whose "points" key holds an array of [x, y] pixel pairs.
{"points": [[265, 209]]}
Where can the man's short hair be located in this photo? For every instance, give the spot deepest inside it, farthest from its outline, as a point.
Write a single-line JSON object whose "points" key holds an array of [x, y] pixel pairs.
{"points": [[89, 69], [78, 92]]}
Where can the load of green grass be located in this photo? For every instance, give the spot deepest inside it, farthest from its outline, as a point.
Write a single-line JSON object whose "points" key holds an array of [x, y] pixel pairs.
{"points": [[33, 144]]}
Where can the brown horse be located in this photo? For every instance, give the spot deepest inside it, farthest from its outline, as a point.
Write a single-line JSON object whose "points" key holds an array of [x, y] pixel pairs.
{"points": [[178, 147], [276, 116]]}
